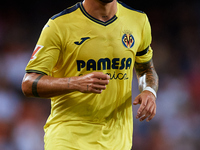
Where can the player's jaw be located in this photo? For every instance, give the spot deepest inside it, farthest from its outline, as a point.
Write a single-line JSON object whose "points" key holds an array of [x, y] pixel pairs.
{"points": [[106, 1]]}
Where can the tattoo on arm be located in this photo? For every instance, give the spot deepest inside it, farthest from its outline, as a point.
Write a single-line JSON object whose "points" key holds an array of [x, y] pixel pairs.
{"points": [[146, 75], [34, 85]]}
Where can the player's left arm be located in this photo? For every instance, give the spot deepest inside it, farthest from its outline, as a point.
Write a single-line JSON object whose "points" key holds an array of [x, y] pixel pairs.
{"points": [[147, 77]]}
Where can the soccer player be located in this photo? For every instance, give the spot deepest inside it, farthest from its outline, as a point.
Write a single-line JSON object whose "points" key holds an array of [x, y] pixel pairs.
{"points": [[84, 62]]}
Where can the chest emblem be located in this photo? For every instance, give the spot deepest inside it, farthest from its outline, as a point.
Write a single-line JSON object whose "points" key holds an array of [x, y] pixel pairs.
{"points": [[128, 39]]}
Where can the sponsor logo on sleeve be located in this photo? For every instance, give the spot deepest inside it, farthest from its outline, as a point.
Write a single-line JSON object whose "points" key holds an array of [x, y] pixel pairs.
{"points": [[36, 50]]}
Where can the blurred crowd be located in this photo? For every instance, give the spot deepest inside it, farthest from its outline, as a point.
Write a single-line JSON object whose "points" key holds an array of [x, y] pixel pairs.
{"points": [[176, 34]]}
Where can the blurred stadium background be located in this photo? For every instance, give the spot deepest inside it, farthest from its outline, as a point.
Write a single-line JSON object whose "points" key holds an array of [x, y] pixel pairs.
{"points": [[176, 42]]}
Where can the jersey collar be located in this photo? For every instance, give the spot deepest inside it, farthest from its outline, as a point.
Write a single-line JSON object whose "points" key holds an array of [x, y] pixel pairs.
{"points": [[94, 19]]}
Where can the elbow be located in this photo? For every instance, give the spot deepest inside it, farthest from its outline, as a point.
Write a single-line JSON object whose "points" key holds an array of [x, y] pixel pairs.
{"points": [[26, 87]]}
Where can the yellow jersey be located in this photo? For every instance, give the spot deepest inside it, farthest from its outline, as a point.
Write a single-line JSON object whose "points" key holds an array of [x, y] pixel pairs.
{"points": [[74, 43]]}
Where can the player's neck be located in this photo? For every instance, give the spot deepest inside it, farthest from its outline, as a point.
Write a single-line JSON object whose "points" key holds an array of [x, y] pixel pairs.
{"points": [[100, 10]]}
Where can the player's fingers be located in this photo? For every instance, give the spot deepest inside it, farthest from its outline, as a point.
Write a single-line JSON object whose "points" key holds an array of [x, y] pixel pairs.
{"points": [[97, 91], [143, 117], [101, 82], [153, 113], [97, 86], [148, 110], [141, 108], [145, 112], [94, 89], [101, 75]]}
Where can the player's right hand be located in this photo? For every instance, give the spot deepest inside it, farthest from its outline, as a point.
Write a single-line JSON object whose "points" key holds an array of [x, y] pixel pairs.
{"points": [[94, 82]]}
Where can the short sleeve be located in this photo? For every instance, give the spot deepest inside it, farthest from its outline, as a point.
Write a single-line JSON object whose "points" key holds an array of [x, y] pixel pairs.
{"points": [[46, 53], [145, 52]]}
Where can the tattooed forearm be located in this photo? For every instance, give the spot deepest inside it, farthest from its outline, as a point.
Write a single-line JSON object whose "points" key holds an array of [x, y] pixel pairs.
{"points": [[146, 75]]}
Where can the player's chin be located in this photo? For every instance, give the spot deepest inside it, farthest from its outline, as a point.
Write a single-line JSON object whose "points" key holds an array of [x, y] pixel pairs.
{"points": [[106, 1]]}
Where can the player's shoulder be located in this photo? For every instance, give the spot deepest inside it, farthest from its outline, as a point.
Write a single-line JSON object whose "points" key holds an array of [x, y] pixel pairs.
{"points": [[132, 14], [125, 6], [66, 11], [129, 10]]}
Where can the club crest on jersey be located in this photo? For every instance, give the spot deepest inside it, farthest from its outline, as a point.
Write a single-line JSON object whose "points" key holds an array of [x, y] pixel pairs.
{"points": [[128, 39]]}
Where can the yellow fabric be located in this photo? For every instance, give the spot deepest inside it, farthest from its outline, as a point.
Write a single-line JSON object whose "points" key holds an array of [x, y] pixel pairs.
{"points": [[146, 57], [72, 44]]}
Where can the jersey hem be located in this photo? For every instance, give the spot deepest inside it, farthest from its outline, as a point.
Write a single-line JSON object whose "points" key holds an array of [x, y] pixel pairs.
{"points": [[142, 52], [36, 71]]}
